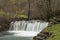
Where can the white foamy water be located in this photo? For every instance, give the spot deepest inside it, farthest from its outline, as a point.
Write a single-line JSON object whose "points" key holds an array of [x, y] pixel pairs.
{"points": [[24, 30], [24, 33], [27, 28]]}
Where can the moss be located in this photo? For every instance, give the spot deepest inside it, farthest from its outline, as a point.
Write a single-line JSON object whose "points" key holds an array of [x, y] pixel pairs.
{"points": [[55, 30], [13, 15]]}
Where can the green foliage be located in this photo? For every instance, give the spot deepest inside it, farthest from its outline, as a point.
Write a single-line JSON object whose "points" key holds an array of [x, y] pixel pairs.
{"points": [[40, 9], [55, 30], [12, 15]]}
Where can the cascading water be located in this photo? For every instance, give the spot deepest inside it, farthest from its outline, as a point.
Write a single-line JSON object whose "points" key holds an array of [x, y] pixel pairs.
{"points": [[27, 26], [31, 28], [24, 30]]}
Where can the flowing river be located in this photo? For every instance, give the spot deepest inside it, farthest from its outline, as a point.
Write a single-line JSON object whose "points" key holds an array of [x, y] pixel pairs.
{"points": [[23, 30]]}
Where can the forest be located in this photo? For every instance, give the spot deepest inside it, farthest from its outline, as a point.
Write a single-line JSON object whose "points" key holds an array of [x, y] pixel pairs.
{"points": [[47, 10], [15, 10]]}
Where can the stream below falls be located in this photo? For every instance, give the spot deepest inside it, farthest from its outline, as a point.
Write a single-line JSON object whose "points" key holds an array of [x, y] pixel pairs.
{"points": [[23, 30]]}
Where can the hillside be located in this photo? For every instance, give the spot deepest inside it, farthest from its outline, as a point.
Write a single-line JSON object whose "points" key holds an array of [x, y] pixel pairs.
{"points": [[47, 10], [12, 10]]}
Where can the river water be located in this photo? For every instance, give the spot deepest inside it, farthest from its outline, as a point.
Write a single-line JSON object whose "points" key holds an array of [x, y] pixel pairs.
{"points": [[23, 30], [17, 35], [10, 37]]}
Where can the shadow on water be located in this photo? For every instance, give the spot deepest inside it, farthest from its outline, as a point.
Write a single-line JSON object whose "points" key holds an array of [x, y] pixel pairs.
{"points": [[5, 33]]}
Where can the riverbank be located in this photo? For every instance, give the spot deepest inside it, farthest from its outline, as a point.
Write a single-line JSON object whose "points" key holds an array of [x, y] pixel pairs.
{"points": [[52, 32], [55, 30]]}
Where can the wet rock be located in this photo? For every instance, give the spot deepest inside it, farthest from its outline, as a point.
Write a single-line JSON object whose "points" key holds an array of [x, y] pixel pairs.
{"points": [[42, 36]]}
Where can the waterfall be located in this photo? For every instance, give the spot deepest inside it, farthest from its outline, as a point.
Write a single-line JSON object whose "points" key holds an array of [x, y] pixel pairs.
{"points": [[28, 26]]}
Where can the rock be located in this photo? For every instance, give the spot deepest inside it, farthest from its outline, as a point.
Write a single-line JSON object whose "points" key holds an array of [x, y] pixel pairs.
{"points": [[42, 36]]}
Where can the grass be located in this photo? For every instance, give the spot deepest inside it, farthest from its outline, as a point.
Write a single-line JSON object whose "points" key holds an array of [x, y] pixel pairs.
{"points": [[18, 15], [55, 30]]}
